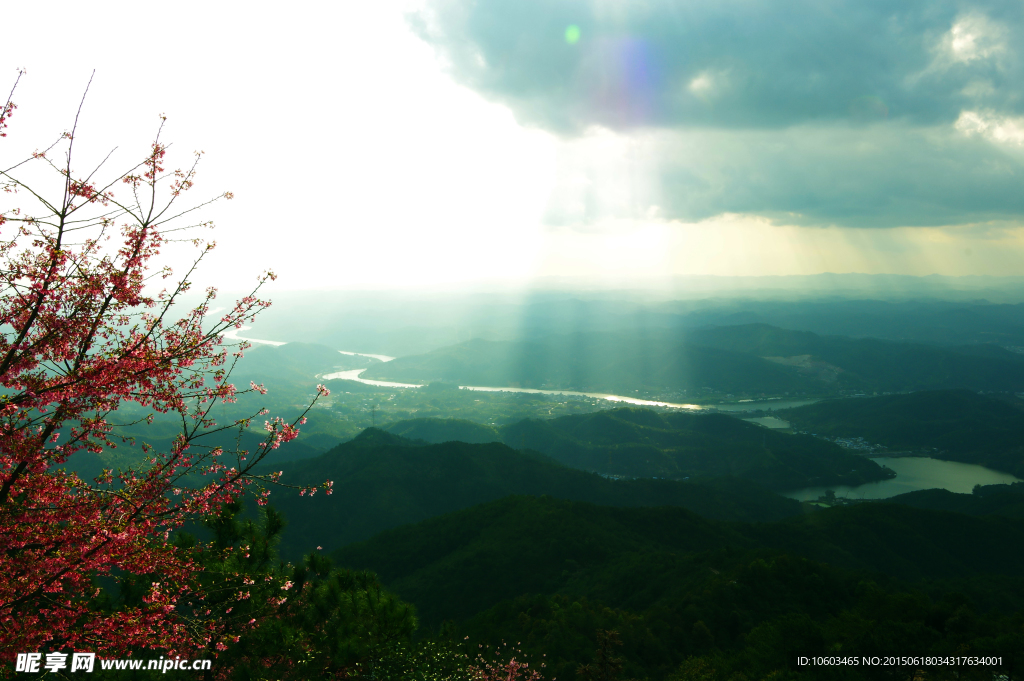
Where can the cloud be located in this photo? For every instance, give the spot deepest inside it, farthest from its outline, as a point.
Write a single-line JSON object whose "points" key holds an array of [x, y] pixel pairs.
{"points": [[729, 62], [999, 129], [876, 176], [850, 113], [974, 37]]}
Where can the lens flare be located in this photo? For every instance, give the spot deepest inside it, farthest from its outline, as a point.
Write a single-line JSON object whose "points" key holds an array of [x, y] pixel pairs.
{"points": [[623, 78], [572, 34]]}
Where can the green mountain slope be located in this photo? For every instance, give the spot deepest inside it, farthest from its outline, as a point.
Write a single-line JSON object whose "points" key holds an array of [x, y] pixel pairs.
{"points": [[734, 614], [1004, 500], [461, 563], [956, 425], [641, 442], [635, 442], [383, 481]]}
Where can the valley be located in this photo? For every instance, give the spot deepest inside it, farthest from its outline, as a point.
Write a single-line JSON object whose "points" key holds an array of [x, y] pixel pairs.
{"points": [[505, 491]]}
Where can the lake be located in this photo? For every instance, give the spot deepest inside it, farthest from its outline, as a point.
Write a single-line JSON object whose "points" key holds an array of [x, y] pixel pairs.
{"points": [[912, 474], [769, 422]]}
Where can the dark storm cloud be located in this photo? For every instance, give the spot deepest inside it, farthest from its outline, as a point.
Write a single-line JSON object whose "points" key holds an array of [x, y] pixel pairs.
{"points": [[805, 111], [731, 63], [877, 176]]}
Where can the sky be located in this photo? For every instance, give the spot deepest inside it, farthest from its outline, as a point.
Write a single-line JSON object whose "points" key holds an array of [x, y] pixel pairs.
{"points": [[410, 144]]}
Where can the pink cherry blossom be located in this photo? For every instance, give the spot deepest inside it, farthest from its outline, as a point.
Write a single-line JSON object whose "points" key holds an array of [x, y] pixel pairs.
{"points": [[81, 334]]}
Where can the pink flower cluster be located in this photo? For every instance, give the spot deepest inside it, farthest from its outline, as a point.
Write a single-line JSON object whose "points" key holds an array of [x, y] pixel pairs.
{"points": [[80, 334]]}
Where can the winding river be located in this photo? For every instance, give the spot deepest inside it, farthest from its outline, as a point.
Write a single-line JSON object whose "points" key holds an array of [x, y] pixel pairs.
{"points": [[354, 375]]}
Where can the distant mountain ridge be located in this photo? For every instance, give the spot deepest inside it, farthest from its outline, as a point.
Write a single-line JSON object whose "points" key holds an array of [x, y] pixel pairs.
{"points": [[637, 442], [675, 444], [933, 309], [595, 362], [742, 359]]}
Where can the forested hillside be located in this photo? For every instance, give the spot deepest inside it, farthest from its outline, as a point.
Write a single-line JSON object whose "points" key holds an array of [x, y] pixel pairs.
{"points": [[956, 425], [383, 481], [1004, 500], [549, 573], [635, 442]]}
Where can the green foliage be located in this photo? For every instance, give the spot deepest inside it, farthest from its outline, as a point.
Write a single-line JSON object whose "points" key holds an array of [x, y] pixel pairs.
{"points": [[752, 619], [305, 621], [564, 631], [457, 565], [901, 541], [422, 661], [606, 665]]}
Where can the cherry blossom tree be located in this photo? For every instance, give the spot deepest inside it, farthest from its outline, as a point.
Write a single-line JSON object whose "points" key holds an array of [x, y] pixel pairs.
{"points": [[87, 325]]}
